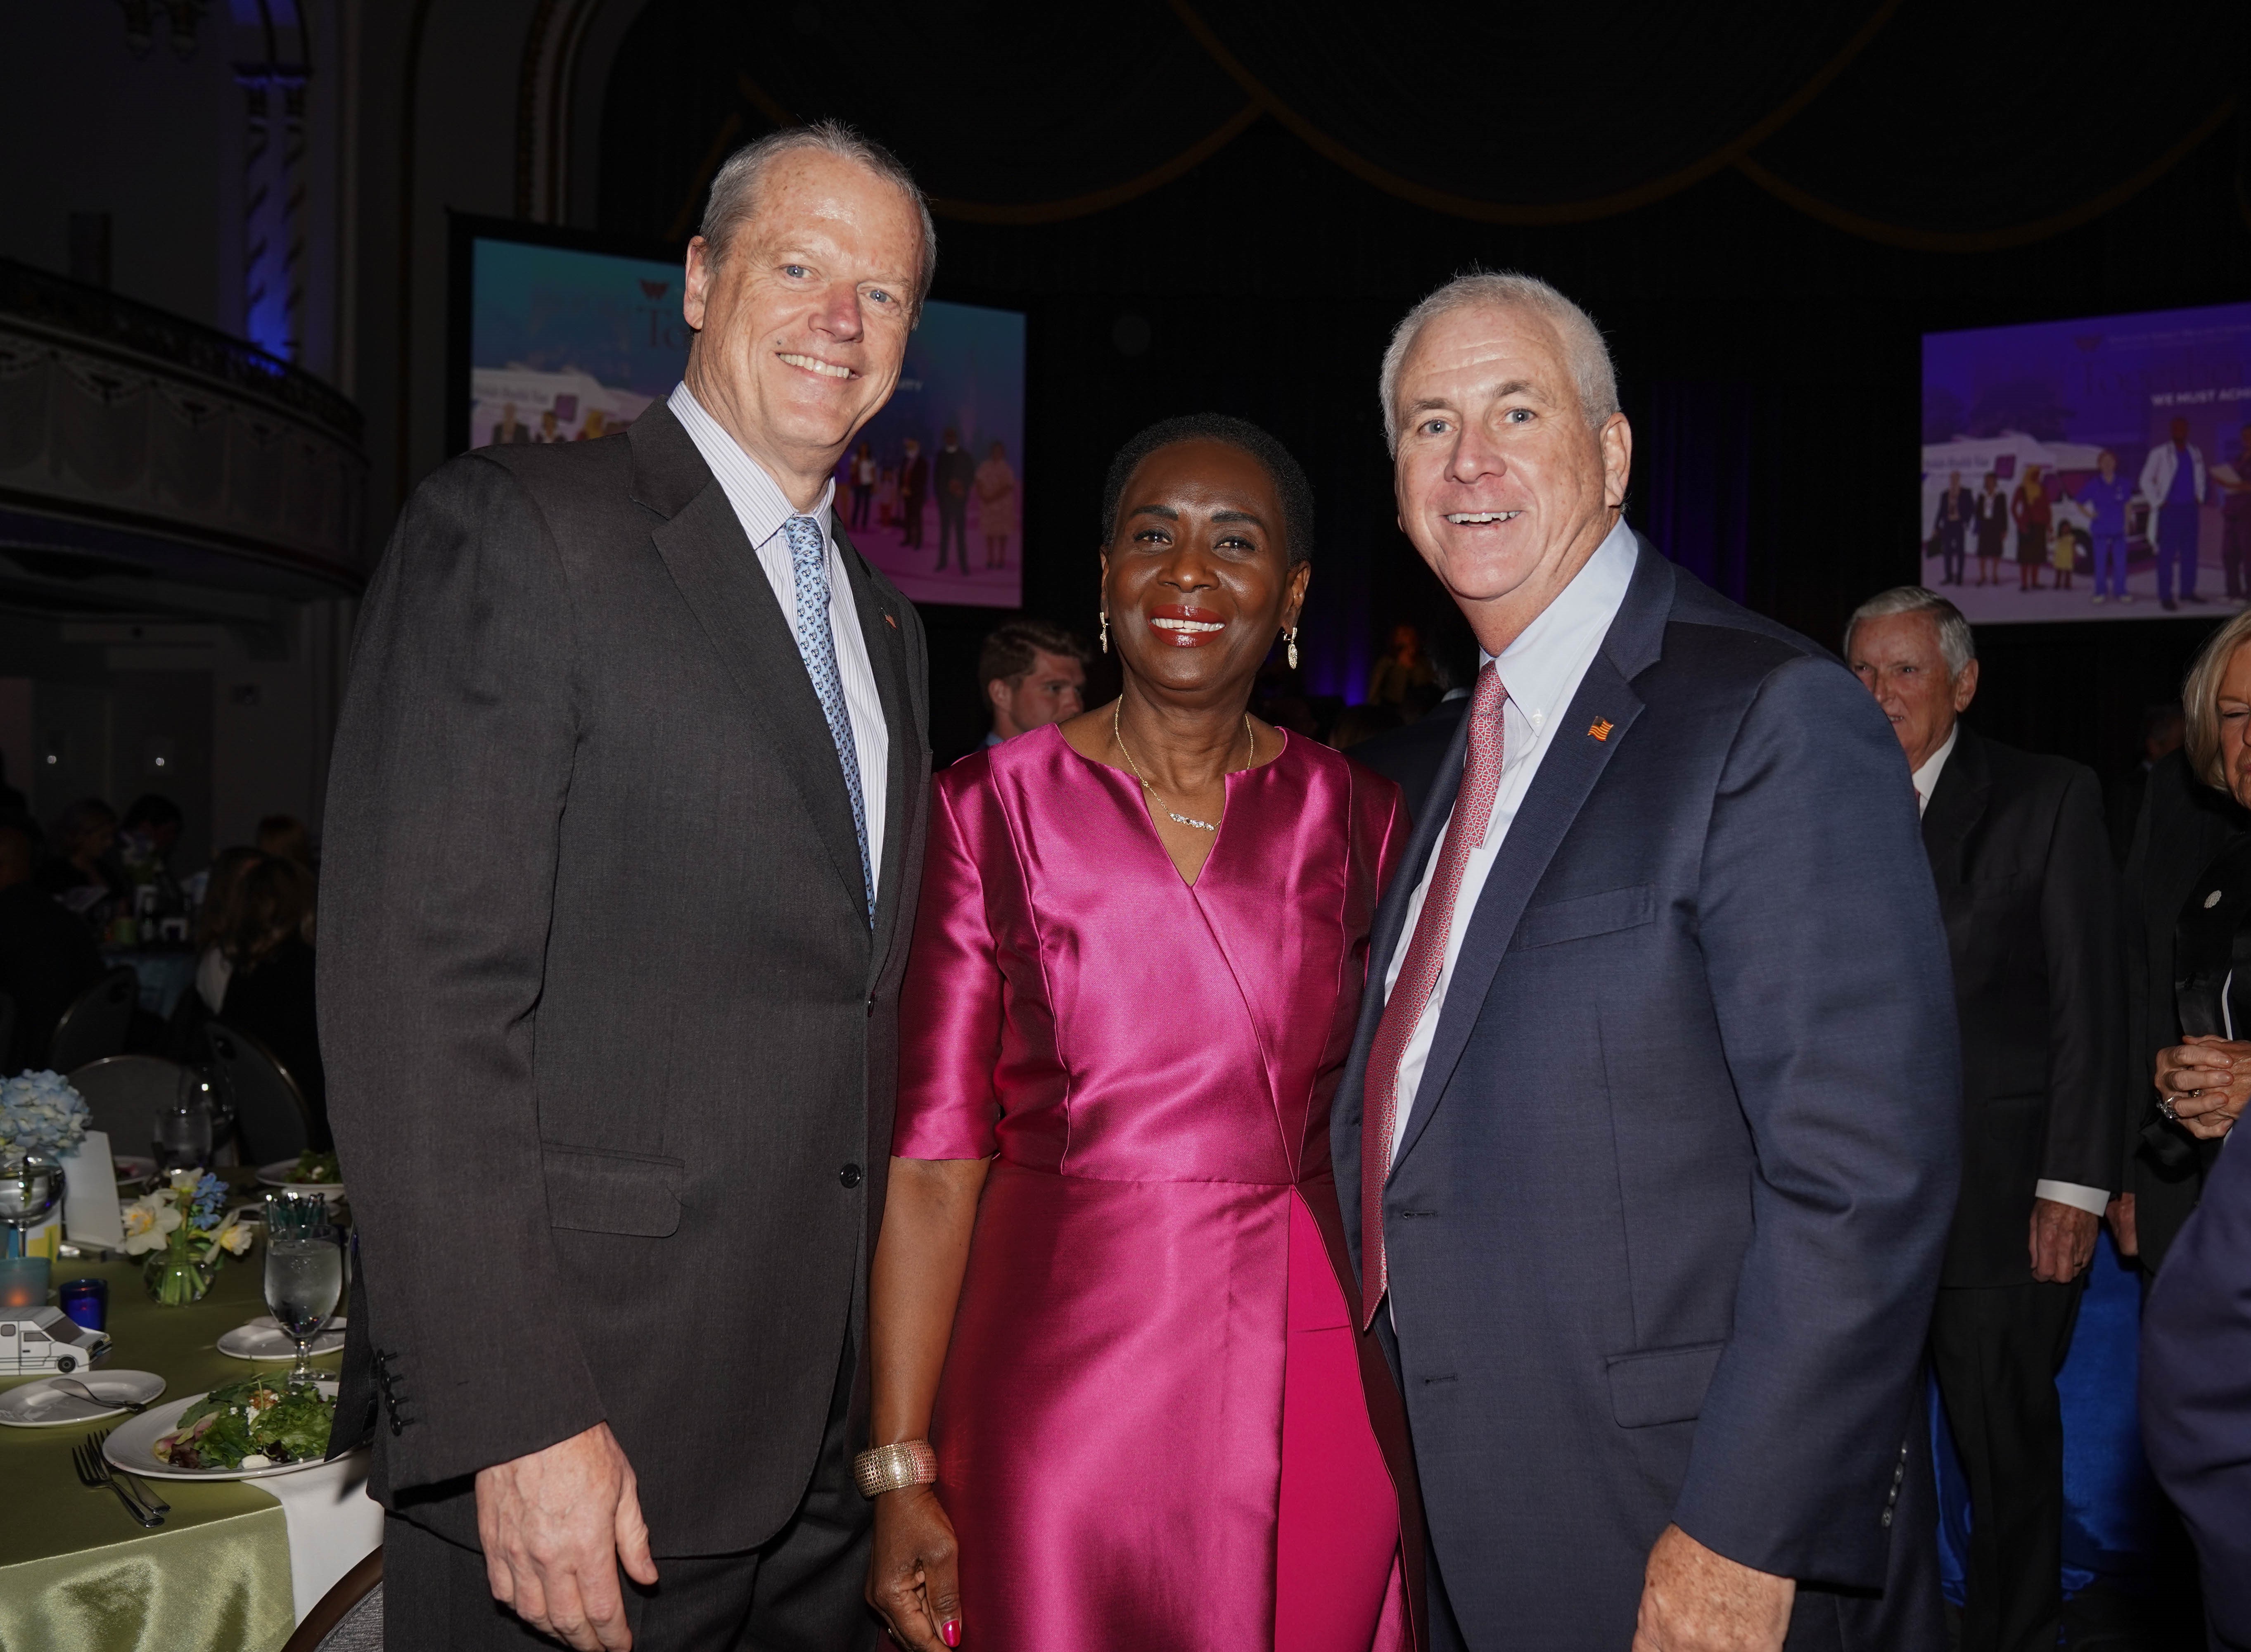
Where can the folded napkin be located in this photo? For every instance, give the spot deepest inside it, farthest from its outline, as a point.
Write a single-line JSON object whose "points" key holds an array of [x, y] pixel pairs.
{"points": [[333, 1524]]}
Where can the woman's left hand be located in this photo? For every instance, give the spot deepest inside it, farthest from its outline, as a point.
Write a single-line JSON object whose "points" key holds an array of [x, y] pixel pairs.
{"points": [[2206, 1081], [913, 1574]]}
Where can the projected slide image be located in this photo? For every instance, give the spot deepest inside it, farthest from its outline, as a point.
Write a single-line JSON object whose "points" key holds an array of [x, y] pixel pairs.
{"points": [[570, 345], [2089, 469]]}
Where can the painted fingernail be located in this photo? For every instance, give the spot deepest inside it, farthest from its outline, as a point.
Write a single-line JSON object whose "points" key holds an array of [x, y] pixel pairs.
{"points": [[950, 1631]]}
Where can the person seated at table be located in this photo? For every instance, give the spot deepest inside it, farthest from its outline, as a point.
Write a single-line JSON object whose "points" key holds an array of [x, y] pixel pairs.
{"points": [[82, 872], [215, 916], [47, 957], [267, 942], [1109, 1286], [285, 835]]}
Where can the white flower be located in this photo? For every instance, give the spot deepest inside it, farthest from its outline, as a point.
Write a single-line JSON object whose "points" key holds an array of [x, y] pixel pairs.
{"points": [[234, 1237], [184, 1180], [148, 1222]]}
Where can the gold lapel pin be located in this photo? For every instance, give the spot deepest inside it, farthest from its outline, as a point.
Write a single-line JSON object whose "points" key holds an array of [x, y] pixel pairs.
{"points": [[1601, 731], [888, 621]]}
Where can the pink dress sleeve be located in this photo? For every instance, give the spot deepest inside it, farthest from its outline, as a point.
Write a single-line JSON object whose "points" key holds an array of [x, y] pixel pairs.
{"points": [[949, 1003]]}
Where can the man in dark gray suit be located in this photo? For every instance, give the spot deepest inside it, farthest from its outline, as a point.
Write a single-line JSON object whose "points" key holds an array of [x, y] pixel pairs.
{"points": [[2022, 861], [623, 840], [1647, 1146]]}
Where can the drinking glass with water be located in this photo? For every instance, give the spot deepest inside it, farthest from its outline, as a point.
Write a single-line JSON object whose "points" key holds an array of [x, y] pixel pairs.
{"points": [[183, 1130], [304, 1271]]}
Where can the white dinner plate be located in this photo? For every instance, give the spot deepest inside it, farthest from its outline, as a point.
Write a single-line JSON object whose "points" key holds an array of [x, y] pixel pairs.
{"points": [[263, 1338], [281, 1173], [127, 1446], [41, 1404], [131, 1167]]}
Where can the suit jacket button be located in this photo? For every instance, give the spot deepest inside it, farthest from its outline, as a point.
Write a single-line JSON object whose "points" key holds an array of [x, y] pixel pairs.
{"points": [[850, 1176]]}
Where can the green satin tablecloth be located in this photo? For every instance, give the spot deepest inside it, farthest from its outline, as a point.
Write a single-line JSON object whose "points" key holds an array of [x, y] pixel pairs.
{"points": [[76, 1575]]}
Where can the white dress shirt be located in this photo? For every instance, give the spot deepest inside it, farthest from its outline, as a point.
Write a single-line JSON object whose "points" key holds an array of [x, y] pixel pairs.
{"points": [[2071, 1193], [764, 511], [1542, 670]]}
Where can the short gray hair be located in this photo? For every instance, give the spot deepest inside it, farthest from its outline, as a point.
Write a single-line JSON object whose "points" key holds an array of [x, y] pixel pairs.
{"points": [[1955, 641], [1583, 349], [735, 187]]}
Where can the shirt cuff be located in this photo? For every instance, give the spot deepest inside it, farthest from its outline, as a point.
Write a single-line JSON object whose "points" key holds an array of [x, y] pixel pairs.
{"points": [[2090, 1199]]}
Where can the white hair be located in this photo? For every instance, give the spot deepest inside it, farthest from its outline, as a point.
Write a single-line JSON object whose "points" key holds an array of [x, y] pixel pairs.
{"points": [[1955, 641], [734, 198], [1588, 356]]}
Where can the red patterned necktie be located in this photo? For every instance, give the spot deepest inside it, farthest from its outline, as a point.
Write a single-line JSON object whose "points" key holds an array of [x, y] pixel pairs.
{"points": [[1418, 978]]}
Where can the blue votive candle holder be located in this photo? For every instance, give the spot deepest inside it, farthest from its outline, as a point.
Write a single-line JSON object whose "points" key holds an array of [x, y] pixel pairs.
{"points": [[85, 1300]]}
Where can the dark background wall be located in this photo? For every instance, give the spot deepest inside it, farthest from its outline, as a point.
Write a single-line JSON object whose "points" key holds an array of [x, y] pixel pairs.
{"points": [[1932, 168]]}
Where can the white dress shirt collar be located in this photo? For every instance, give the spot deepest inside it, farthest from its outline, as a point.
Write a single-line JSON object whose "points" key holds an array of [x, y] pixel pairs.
{"points": [[1542, 669], [1926, 778], [759, 503]]}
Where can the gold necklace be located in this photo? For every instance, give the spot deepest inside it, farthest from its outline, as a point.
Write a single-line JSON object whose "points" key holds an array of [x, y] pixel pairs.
{"points": [[1117, 733]]}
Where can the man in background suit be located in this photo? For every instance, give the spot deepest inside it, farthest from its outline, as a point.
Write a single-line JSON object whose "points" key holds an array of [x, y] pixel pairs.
{"points": [[914, 487], [952, 472], [1648, 1141], [1411, 757], [623, 841], [2021, 855], [1952, 527], [1992, 511]]}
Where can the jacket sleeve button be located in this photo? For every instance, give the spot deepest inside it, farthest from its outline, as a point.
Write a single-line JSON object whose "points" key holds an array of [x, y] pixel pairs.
{"points": [[850, 1176]]}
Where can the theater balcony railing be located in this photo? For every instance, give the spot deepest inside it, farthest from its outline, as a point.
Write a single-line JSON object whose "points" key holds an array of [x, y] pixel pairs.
{"points": [[148, 464]]}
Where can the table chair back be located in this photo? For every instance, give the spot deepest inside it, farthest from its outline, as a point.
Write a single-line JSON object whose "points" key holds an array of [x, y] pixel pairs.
{"points": [[348, 1618], [125, 1094], [271, 1117], [95, 1024]]}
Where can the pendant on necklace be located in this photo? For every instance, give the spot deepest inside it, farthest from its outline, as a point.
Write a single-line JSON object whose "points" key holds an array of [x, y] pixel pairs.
{"points": [[1190, 820]]}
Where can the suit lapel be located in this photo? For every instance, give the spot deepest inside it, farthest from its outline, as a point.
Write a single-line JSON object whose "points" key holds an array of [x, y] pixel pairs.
{"points": [[712, 563], [882, 630], [1574, 762], [1958, 803]]}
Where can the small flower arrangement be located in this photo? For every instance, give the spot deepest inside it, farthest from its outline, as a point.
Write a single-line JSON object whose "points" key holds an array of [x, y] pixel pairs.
{"points": [[40, 1116], [180, 1228]]}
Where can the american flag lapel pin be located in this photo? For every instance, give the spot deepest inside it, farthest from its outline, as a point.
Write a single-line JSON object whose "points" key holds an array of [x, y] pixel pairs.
{"points": [[1601, 731]]}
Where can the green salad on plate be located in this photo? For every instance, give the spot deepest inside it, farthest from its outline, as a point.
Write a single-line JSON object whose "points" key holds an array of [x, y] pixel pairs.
{"points": [[253, 1424]]}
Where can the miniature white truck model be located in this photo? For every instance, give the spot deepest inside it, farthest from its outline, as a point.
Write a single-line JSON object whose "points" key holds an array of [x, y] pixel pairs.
{"points": [[44, 1339]]}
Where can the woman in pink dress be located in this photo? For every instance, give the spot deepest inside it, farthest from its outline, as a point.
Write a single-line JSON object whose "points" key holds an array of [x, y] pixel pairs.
{"points": [[1111, 1314]]}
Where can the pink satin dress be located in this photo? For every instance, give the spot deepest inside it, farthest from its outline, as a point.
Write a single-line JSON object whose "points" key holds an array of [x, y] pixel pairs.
{"points": [[1157, 1428]]}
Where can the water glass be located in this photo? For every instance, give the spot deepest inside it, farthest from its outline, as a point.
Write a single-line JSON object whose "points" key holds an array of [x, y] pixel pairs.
{"points": [[208, 1085], [304, 1273], [184, 1132]]}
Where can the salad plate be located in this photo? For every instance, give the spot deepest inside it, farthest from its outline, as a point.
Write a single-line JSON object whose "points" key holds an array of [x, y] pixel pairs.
{"points": [[42, 1405], [314, 1172], [132, 1167], [263, 1338], [131, 1446]]}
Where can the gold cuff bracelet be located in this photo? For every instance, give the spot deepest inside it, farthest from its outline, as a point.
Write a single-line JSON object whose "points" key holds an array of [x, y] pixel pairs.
{"points": [[911, 1462]]}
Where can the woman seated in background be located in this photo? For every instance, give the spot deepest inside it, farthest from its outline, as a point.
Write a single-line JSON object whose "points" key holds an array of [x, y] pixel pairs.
{"points": [[2188, 889], [265, 936], [222, 886], [82, 874]]}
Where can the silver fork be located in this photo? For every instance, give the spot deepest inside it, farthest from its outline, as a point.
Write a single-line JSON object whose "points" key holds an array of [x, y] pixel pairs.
{"points": [[93, 1474], [77, 1390], [143, 1491]]}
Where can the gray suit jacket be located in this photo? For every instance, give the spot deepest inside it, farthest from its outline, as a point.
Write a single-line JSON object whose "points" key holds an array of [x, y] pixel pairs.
{"points": [[611, 1047], [1665, 1224]]}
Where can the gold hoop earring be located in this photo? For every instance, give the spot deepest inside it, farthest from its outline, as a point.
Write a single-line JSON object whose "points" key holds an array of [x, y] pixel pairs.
{"points": [[1105, 631], [1293, 635]]}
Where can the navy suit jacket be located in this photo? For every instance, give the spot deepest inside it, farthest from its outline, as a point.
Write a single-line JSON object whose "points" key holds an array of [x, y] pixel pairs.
{"points": [[1666, 1225], [2196, 1389]]}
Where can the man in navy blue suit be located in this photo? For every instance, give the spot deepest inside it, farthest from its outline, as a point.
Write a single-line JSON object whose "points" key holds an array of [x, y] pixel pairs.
{"points": [[1647, 1146], [2196, 1390]]}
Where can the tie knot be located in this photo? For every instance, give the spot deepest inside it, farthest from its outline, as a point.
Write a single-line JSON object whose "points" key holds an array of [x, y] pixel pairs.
{"points": [[1490, 694], [804, 536]]}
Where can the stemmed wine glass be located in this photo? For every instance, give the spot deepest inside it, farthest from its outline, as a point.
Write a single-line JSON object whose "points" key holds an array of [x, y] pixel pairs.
{"points": [[304, 1271]]}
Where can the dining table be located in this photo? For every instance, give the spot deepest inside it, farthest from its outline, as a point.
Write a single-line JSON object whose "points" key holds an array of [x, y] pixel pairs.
{"points": [[235, 1565]]}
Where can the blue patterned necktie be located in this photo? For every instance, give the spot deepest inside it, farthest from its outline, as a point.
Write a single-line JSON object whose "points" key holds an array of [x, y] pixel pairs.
{"points": [[808, 558]]}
